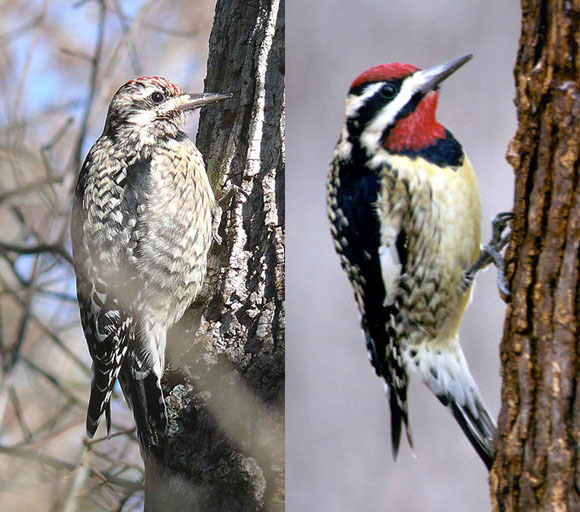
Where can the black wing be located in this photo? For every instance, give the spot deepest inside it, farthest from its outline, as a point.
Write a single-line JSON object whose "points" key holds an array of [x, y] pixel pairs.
{"points": [[103, 239], [352, 201]]}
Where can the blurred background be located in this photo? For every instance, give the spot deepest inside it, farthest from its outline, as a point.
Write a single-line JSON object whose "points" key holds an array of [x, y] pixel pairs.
{"points": [[337, 424], [60, 64]]}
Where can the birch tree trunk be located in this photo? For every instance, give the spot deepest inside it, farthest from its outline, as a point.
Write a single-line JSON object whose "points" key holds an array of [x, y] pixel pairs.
{"points": [[536, 466], [224, 379]]}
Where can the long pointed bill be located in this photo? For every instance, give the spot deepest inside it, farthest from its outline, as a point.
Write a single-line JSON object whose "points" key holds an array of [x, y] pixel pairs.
{"points": [[197, 100], [430, 78]]}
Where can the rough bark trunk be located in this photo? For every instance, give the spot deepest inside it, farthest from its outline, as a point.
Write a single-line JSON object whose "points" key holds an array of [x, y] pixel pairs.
{"points": [[224, 379], [536, 466]]}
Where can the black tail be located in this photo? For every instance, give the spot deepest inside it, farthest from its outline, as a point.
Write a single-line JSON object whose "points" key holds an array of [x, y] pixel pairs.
{"points": [[479, 429], [145, 397], [399, 416], [100, 400]]}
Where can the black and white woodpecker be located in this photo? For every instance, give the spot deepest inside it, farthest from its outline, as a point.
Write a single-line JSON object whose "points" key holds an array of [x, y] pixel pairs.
{"points": [[143, 219], [405, 213]]}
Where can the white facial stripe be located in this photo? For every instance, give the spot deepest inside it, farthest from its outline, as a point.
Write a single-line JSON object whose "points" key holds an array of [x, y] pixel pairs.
{"points": [[354, 102], [371, 137]]}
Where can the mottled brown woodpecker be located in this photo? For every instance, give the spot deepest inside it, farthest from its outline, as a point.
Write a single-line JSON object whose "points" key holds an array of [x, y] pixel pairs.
{"points": [[143, 219]]}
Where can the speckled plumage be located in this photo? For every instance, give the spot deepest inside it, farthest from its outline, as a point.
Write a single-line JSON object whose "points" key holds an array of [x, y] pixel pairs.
{"points": [[141, 228], [405, 218]]}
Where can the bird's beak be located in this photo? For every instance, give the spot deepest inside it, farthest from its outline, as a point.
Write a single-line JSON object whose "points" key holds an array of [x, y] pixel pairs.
{"points": [[197, 100], [430, 78]]}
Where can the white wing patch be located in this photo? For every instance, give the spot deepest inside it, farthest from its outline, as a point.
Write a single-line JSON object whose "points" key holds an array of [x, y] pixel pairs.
{"points": [[389, 258], [391, 271]]}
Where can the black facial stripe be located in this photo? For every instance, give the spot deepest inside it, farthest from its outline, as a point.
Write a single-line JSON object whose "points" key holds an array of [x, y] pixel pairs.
{"points": [[140, 104], [373, 105], [361, 88], [443, 152], [365, 114], [370, 109], [411, 105]]}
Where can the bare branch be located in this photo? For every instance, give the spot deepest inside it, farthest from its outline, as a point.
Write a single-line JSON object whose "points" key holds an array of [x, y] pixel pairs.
{"points": [[67, 466], [38, 249], [81, 473], [92, 85]]}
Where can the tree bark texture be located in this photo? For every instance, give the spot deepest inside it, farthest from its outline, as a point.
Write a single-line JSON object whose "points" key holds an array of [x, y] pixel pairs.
{"points": [[536, 466], [224, 379]]}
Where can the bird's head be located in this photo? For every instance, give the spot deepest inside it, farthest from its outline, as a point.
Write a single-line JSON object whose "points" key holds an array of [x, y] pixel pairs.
{"points": [[153, 107], [393, 105]]}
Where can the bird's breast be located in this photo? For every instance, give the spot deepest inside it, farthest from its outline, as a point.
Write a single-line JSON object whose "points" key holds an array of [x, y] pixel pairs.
{"points": [[440, 212], [178, 220]]}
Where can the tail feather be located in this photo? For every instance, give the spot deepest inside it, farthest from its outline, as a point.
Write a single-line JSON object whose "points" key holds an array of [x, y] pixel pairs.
{"points": [[145, 397], [108, 418], [100, 399], [387, 360], [399, 417], [478, 429], [446, 373], [396, 421]]}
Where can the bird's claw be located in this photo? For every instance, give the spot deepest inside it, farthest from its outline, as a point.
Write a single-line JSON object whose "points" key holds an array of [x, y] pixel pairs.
{"points": [[491, 253]]}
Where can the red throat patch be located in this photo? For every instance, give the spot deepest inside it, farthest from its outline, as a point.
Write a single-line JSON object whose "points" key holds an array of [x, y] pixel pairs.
{"points": [[418, 130]]}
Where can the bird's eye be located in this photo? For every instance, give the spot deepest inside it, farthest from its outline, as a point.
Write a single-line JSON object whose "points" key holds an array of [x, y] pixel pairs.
{"points": [[157, 97], [388, 91]]}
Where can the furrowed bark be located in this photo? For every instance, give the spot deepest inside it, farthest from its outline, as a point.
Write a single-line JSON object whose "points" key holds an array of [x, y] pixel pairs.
{"points": [[536, 466]]}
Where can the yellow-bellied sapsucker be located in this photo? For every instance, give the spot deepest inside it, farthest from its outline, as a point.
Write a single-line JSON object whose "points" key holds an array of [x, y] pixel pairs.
{"points": [[142, 224], [405, 212]]}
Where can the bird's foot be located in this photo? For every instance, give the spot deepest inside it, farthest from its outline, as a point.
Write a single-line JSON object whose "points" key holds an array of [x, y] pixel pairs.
{"points": [[491, 253]]}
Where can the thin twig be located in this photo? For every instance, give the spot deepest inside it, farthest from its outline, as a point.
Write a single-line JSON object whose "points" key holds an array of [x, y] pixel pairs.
{"points": [[54, 338], [92, 85], [45, 432], [128, 36], [21, 30], [126, 27], [82, 471], [67, 466], [46, 148], [30, 292], [77, 54], [28, 60], [20, 414], [38, 249], [28, 187], [53, 380], [125, 432]]}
